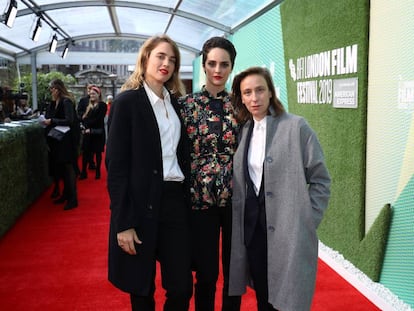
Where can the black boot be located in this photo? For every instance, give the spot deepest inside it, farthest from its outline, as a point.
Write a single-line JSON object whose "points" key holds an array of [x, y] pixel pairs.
{"points": [[83, 175], [61, 200], [55, 192], [70, 205]]}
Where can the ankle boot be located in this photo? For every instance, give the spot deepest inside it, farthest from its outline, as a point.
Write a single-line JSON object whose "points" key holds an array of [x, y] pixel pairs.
{"points": [[61, 200], [83, 175], [70, 205], [55, 192]]}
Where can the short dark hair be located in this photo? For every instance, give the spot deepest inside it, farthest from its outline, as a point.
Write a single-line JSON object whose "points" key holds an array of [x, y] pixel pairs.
{"points": [[219, 42]]}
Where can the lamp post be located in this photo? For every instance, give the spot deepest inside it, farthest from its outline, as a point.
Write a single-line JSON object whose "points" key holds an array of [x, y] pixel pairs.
{"points": [[113, 78]]}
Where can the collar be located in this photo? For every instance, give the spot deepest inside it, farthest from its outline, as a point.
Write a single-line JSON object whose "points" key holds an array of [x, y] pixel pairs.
{"points": [[154, 97], [208, 94], [262, 123]]}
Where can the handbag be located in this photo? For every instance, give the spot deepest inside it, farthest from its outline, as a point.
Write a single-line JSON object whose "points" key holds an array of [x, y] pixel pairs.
{"points": [[56, 134]]}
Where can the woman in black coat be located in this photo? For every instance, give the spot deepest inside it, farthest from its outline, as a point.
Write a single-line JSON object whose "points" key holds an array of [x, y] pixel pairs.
{"points": [[147, 163], [93, 142], [63, 151]]}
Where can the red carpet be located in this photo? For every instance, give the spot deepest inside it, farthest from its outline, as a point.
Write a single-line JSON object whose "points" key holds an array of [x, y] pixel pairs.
{"points": [[56, 260]]}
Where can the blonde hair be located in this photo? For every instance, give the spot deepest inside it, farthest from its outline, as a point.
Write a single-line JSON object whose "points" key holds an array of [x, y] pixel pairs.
{"points": [[137, 78]]}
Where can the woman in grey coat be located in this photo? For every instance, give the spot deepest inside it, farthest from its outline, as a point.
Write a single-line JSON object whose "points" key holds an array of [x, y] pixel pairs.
{"points": [[280, 191]]}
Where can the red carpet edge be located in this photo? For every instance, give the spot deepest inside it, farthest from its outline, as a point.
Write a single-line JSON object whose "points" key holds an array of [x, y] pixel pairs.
{"points": [[378, 294]]}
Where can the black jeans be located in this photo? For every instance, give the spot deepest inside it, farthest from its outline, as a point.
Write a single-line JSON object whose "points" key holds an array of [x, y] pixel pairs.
{"points": [[205, 234]]}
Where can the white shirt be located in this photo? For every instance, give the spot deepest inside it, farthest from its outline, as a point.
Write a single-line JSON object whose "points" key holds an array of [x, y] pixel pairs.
{"points": [[257, 153], [170, 130]]}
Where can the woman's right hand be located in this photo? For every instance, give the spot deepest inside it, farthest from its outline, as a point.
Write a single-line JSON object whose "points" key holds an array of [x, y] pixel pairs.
{"points": [[126, 241]]}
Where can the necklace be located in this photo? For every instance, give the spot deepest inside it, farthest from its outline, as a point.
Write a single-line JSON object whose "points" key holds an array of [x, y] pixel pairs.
{"points": [[165, 107]]}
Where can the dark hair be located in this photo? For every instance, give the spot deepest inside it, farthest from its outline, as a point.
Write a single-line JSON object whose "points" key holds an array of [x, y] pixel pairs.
{"points": [[60, 86], [242, 114], [219, 42]]}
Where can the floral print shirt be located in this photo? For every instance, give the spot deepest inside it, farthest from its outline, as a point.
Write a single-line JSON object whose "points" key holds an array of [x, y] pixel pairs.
{"points": [[212, 128]]}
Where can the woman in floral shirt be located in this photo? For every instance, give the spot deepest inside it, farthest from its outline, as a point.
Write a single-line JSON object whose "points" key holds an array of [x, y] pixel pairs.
{"points": [[212, 128]]}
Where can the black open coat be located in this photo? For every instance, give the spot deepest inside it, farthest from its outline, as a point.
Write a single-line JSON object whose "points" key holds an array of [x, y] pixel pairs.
{"points": [[135, 177], [95, 140], [64, 114]]}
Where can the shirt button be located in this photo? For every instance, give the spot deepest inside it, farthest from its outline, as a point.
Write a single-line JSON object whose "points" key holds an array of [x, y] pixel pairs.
{"points": [[155, 172], [150, 207]]}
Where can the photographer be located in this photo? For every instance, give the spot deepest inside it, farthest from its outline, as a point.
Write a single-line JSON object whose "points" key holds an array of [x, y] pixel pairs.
{"points": [[23, 110], [10, 100]]}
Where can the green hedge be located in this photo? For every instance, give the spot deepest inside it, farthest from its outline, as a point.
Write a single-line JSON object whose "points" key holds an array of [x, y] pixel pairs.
{"points": [[23, 171]]}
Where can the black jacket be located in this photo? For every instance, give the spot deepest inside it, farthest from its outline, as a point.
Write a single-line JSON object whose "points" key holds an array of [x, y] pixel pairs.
{"points": [[65, 115], [135, 177]]}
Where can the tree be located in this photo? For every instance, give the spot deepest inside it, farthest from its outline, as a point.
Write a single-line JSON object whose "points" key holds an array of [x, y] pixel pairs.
{"points": [[43, 80]]}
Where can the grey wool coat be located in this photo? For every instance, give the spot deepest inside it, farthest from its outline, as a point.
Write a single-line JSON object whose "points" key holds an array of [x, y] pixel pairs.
{"points": [[297, 190]]}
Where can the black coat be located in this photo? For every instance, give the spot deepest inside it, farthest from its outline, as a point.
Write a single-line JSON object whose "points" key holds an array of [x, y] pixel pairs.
{"points": [[135, 177], [94, 121], [65, 115]]}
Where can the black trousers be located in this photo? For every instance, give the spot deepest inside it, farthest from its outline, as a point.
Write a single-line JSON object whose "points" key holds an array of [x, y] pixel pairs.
{"points": [[173, 253], [66, 171], [257, 256], [205, 234]]}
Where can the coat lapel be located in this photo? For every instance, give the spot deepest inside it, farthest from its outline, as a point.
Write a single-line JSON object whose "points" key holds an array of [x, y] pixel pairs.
{"points": [[271, 128], [151, 121], [246, 151]]}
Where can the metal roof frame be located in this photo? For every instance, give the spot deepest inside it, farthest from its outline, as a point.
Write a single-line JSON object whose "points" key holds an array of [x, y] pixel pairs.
{"points": [[15, 46]]}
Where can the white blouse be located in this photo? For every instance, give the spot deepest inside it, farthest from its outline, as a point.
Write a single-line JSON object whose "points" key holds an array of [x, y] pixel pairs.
{"points": [[170, 131], [256, 154]]}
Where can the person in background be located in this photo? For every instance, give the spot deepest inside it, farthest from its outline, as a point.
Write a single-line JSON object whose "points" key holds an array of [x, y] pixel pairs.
{"points": [[109, 100], [281, 188], [53, 171], [147, 159], [80, 110], [2, 116], [83, 102], [93, 132], [63, 153], [8, 103], [211, 126], [23, 110]]}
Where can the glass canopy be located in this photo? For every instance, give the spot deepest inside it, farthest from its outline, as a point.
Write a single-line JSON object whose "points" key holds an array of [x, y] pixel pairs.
{"points": [[188, 22]]}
